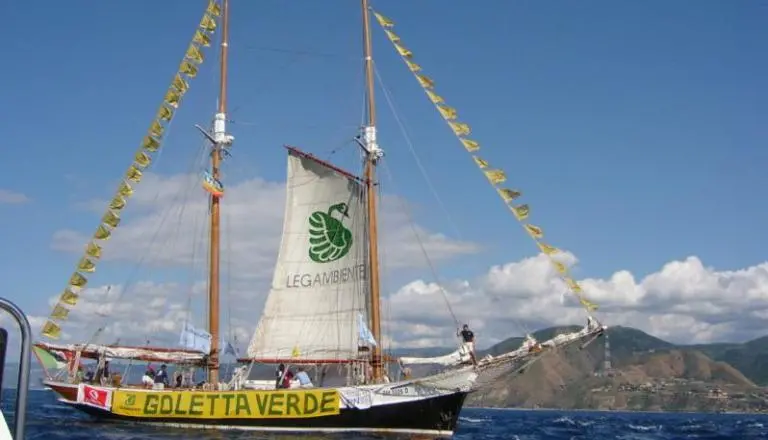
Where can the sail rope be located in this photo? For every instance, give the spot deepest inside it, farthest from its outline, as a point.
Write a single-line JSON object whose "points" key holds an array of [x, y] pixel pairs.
{"points": [[150, 145], [408, 141], [423, 249], [157, 243], [495, 176]]}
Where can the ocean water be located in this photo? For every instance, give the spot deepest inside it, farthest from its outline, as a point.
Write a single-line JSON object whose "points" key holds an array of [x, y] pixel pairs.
{"points": [[49, 420]]}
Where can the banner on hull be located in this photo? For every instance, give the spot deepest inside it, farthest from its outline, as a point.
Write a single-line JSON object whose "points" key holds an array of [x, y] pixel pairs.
{"points": [[295, 404]]}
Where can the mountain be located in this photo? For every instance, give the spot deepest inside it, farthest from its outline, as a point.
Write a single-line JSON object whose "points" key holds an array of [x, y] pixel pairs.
{"points": [[648, 374]]}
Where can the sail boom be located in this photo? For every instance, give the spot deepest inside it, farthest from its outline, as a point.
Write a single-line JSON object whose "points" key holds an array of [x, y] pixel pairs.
{"points": [[149, 354]]}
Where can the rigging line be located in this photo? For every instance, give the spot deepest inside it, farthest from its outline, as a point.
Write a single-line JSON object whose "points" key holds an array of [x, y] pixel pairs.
{"points": [[421, 246], [401, 125], [132, 276], [409, 143]]}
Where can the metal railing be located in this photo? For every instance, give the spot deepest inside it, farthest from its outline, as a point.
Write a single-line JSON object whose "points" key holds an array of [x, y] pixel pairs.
{"points": [[25, 364]]}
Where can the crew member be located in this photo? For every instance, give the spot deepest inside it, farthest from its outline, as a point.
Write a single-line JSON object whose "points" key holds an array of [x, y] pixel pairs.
{"points": [[468, 337]]}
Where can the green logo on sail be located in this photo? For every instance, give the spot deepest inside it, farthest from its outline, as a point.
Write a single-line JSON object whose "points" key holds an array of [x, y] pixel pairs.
{"points": [[329, 240]]}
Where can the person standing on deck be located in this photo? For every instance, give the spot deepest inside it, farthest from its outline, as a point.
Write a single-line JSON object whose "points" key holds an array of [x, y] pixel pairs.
{"points": [[468, 338], [161, 378], [303, 378], [149, 377], [287, 378], [279, 375]]}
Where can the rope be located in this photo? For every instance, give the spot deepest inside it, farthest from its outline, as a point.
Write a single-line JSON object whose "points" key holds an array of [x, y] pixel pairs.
{"points": [[390, 102]]}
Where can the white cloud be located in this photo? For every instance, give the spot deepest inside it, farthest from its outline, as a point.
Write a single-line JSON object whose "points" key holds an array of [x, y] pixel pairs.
{"points": [[12, 197], [684, 302], [167, 223]]}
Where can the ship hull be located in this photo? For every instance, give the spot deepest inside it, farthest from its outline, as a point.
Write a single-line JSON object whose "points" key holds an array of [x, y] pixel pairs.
{"points": [[436, 416]]}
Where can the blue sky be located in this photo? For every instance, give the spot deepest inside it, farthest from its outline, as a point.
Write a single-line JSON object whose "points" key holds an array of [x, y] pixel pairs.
{"points": [[636, 130]]}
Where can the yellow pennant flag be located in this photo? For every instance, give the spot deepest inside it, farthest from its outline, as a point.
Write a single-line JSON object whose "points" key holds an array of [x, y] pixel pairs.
{"points": [[214, 8], [573, 285], [521, 211], [392, 36], [202, 39], [194, 54], [133, 174], [535, 231], [125, 190], [188, 69], [434, 97], [117, 203], [460, 128], [156, 129], [470, 145], [413, 67], [295, 352], [480, 162], [69, 297], [508, 194], [102, 233], [403, 51], [165, 113], [111, 219], [86, 265], [425, 81], [496, 176], [150, 144], [547, 249], [172, 98], [78, 280], [60, 312], [590, 306], [93, 250], [51, 330], [560, 267], [180, 84], [447, 112], [384, 21], [208, 24], [142, 159]]}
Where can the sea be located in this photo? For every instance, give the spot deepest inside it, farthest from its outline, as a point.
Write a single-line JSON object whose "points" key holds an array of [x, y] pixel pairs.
{"points": [[49, 420]]}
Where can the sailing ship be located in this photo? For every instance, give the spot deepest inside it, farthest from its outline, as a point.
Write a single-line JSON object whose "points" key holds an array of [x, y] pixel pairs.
{"points": [[324, 307]]}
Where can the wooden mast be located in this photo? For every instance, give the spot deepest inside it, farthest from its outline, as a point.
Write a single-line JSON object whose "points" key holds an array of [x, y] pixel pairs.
{"points": [[219, 136], [370, 175]]}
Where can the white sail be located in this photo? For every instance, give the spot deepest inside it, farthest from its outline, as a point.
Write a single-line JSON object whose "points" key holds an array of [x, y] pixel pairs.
{"points": [[319, 285]]}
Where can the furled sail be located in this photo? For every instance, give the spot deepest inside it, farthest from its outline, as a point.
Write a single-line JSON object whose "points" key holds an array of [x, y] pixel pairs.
{"points": [[461, 355], [319, 283]]}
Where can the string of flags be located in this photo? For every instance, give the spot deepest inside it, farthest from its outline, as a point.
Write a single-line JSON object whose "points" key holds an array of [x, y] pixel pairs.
{"points": [[495, 176], [150, 144]]}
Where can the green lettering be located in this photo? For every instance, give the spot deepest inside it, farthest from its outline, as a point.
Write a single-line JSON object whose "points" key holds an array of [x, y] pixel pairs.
{"points": [[150, 404], [326, 403], [194, 405], [242, 405], [228, 398], [261, 403], [276, 404], [178, 410], [310, 404], [292, 403], [212, 400], [166, 404]]}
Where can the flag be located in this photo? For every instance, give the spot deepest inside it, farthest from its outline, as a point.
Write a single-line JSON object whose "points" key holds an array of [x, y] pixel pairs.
{"points": [[363, 331], [195, 339]]}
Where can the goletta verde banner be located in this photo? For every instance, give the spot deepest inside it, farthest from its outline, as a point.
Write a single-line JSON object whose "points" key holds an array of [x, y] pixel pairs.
{"points": [[249, 404]]}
